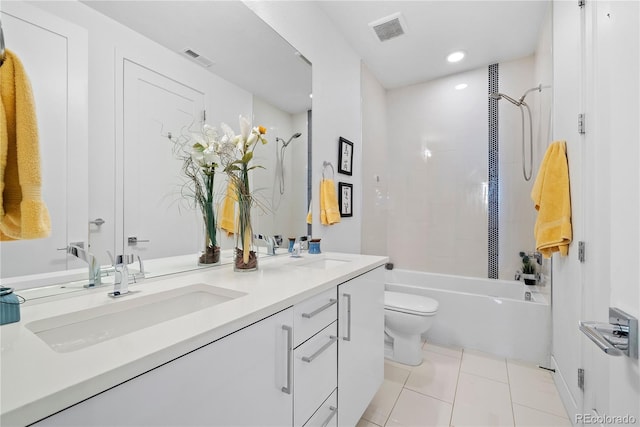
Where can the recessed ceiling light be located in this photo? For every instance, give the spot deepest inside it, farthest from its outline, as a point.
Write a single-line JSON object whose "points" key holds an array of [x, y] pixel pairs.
{"points": [[461, 86], [455, 56]]}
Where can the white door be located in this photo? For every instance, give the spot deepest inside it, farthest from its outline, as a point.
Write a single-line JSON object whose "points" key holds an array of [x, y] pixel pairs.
{"points": [[612, 85], [157, 208], [360, 344], [51, 51], [567, 288]]}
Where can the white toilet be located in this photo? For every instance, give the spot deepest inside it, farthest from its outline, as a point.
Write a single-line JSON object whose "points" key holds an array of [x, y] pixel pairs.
{"points": [[406, 318]]}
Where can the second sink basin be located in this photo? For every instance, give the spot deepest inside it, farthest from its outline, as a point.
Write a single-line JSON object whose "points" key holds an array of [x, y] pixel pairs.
{"points": [[323, 263], [80, 329]]}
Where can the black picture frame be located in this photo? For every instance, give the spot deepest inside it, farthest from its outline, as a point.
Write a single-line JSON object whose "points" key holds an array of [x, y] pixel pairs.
{"points": [[345, 199], [345, 156]]}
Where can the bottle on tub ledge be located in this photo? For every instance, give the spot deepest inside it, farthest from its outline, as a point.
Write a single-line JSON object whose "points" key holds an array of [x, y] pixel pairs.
{"points": [[529, 273]]}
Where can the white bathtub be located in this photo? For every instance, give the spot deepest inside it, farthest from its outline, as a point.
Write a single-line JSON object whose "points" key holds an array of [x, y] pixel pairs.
{"points": [[483, 314]]}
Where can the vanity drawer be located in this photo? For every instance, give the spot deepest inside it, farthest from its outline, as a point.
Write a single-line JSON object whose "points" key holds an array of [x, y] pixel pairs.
{"points": [[327, 413], [313, 314], [315, 373]]}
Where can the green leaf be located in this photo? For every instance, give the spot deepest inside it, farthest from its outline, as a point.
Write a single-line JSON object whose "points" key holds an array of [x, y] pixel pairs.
{"points": [[255, 167], [247, 157], [198, 147]]}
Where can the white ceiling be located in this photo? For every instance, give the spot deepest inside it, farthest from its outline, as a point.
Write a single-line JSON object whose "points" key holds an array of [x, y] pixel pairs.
{"points": [[488, 31], [247, 52]]}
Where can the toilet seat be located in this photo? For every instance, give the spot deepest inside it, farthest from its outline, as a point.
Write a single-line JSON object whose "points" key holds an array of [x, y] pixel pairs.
{"points": [[411, 304]]}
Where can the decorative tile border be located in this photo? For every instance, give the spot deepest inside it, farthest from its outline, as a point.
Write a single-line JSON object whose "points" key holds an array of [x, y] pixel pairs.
{"points": [[493, 232]]}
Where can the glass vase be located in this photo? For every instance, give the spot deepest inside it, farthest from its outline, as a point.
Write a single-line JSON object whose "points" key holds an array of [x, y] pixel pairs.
{"points": [[246, 254], [211, 252]]}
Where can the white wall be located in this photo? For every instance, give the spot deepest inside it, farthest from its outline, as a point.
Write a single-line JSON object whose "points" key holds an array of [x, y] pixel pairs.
{"points": [[516, 212], [375, 179], [438, 201], [336, 105]]}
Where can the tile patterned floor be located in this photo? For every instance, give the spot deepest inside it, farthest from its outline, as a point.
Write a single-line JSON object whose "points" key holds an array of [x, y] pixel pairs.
{"points": [[455, 387]]}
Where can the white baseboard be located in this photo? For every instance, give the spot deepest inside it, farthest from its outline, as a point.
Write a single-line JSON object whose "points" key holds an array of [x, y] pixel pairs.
{"points": [[570, 405]]}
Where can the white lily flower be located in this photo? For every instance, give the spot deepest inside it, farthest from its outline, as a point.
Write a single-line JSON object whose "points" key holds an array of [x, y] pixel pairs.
{"points": [[210, 156], [197, 137], [228, 132], [245, 128], [253, 137]]}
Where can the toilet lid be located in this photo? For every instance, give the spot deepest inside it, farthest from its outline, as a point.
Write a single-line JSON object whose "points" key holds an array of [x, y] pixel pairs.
{"points": [[408, 303]]}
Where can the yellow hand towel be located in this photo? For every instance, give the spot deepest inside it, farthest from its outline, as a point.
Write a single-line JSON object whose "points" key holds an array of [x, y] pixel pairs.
{"points": [[23, 214], [228, 217], [310, 214], [329, 211], [552, 198]]}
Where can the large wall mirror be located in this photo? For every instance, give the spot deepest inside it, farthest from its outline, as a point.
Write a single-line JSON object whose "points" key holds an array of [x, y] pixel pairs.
{"points": [[143, 91]]}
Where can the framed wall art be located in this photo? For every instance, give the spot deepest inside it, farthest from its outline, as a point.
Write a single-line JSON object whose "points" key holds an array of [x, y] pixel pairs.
{"points": [[345, 157], [345, 199]]}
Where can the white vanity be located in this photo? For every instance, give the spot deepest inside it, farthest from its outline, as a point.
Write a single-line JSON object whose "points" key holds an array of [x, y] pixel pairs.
{"points": [[298, 343]]}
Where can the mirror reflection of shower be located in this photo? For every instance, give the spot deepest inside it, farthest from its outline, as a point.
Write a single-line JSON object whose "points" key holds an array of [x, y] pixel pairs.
{"points": [[280, 150], [520, 104]]}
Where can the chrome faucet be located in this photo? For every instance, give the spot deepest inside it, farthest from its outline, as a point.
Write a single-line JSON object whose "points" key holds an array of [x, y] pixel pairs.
{"points": [[95, 278], [121, 282], [270, 243]]}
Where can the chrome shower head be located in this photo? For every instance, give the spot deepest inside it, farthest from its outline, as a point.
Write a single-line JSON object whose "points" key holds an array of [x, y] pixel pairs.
{"points": [[294, 136], [498, 96]]}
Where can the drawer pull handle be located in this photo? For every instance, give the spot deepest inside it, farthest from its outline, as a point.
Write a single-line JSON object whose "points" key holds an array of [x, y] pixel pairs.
{"points": [[348, 337], [321, 309], [309, 359], [333, 410], [287, 389]]}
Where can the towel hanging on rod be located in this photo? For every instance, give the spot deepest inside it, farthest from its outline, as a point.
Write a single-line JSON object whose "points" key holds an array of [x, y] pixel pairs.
{"points": [[325, 165]]}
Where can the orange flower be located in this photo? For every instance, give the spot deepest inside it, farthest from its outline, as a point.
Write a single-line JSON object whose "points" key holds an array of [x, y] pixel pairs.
{"points": [[262, 130]]}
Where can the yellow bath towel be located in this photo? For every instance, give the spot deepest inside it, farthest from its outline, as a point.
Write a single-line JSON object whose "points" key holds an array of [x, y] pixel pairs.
{"points": [[23, 214], [552, 198], [228, 216], [329, 211]]}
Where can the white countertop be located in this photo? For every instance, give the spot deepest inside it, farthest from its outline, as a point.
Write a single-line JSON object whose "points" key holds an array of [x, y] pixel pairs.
{"points": [[37, 381]]}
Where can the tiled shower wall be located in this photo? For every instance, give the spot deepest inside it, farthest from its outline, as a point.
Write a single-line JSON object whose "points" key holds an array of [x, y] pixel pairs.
{"points": [[440, 176]]}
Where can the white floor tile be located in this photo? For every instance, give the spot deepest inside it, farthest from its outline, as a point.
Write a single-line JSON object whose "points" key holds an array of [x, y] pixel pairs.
{"points": [[414, 409], [539, 395], [436, 377], [446, 351], [365, 423], [382, 403], [484, 365], [531, 417], [481, 402], [522, 373]]}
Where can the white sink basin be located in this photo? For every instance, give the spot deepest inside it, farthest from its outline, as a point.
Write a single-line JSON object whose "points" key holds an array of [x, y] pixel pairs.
{"points": [[324, 263], [80, 329]]}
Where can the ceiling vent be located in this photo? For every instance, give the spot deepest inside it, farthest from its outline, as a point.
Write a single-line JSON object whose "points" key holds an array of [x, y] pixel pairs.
{"points": [[202, 60], [389, 27]]}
